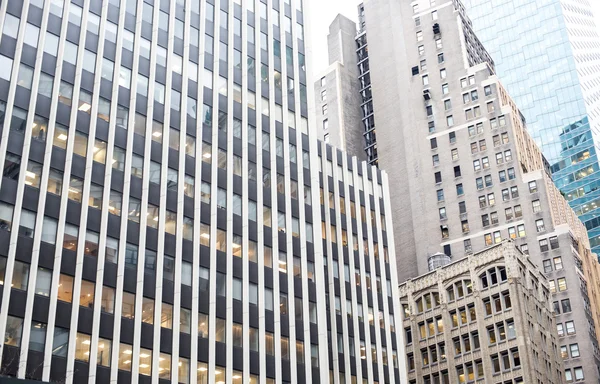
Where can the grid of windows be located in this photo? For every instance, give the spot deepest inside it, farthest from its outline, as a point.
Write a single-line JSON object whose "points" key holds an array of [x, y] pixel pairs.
{"points": [[136, 149]]}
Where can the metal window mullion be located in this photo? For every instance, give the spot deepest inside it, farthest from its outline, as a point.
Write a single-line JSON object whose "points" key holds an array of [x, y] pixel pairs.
{"points": [[229, 191], [384, 276], [319, 256], [340, 266], [260, 188], [180, 198], [114, 354], [358, 291], [363, 283], [197, 192], [70, 371], [302, 216], [41, 209], [214, 187], [62, 214], [163, 191], [373, 268], [37, 235], [16, 220], [349, 240], [288, 203], [85, 198], [245, 198], [125, 214]]}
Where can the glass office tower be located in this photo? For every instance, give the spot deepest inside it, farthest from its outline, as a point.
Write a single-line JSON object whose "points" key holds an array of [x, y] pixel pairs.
{"points": [[162, 202], [547, 53]]}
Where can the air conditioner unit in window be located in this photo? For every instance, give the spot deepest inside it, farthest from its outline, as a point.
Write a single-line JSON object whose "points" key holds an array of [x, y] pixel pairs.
{"points": [[426, 95], [436, 28]]}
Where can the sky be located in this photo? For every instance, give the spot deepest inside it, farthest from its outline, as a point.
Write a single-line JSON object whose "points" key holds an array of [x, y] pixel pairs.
{"points": [[322, 13]]}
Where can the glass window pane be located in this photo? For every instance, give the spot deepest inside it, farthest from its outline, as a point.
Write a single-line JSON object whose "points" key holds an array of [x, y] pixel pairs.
{"points": [[65, 288], [60, 342], [43, 282], [37, 338], [82, 347], [13, 332], [20, 276]]}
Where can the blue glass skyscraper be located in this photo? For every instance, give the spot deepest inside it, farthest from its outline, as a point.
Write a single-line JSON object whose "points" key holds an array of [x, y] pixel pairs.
{"points": [[547, 53]]}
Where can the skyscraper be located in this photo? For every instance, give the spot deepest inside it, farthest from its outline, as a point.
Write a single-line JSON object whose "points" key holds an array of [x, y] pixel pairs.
{"points": [[162, 200], [463, 171], [546, 54]]}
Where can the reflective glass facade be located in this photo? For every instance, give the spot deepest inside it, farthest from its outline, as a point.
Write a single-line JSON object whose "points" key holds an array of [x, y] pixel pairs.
{"points": [[546, 55], [578, 177]]}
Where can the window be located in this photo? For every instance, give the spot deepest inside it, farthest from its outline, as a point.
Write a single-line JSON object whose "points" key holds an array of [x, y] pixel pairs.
{"points": [[574, 348], [511, 173], [532, 187], [13, 332], [65, 288], [457, 172], [540, 225], [518, 211], [86, 296], [566, 307], [442, 212], [562, 284], [447, 104], [440, 195]]}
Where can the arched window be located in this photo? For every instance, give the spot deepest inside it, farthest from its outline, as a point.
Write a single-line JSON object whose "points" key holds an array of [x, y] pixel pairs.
{"points": [[459, 289]]}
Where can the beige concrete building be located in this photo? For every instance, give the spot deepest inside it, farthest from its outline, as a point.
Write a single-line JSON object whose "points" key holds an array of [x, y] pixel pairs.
{"points": [[485, 318]]}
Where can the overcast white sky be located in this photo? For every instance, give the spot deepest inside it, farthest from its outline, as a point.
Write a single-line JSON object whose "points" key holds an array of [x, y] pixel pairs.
{"points": [[322, 13]]}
